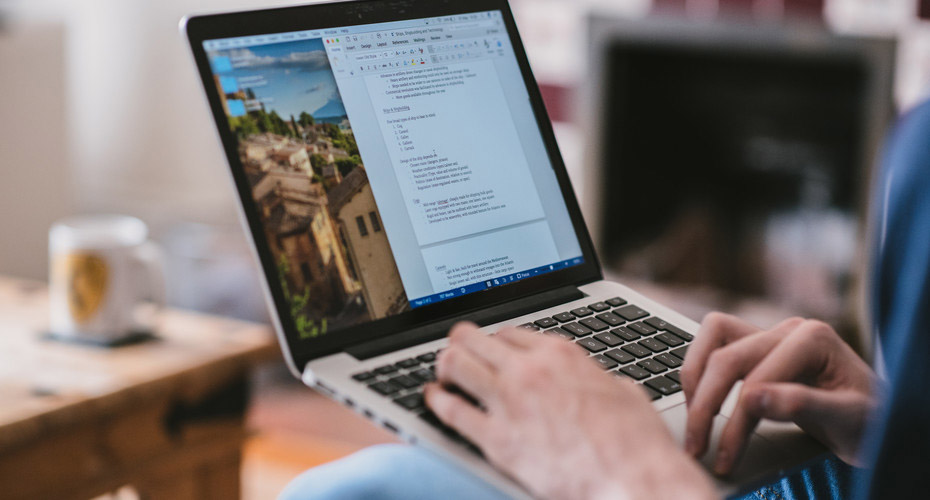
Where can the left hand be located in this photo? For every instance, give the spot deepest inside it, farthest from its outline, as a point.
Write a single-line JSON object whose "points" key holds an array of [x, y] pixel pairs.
{"points": [[555, 422]]}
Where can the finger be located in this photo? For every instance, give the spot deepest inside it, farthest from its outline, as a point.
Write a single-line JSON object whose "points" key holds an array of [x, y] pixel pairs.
{"points": [[716, 330], [791, 402], [814, 409], [462, 326], [457, 413], [733, 439], [801, 353], [459, 367], [518, 337], [723, 329], [725, 367], [488, 349]]}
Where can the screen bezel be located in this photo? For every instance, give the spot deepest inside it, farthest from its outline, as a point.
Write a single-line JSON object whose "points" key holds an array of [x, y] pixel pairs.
{"points": [[342, 14]]}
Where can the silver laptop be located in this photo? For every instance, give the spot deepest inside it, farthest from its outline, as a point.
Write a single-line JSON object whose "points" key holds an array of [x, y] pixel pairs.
{"points": [[397, 173]]}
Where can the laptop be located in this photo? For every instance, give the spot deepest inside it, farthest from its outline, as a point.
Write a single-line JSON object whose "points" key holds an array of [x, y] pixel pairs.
{"points": [[397, 173]]}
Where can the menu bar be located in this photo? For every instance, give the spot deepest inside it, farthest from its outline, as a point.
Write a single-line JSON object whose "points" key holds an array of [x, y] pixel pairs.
{"points": [[399, 32]]}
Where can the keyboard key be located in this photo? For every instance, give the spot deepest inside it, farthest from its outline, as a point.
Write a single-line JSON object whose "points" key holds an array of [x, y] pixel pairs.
{"points": [[411, 401], [615, 302], [683, 335], [610, 318], [680, 352], [609, 339], [384, 370], [653, 345], [361, 377], [594, 324], [428, 357], [529, 326], [630, 313], [668, 338], [675, 376], [423, 375], [546, 322], [605, 362], [625, 333], [405, 381], [641, 328], [620, 374], [407, 363], [652, 365], [384, 388], [653, 395], [635, 372], [668, 360], [430, 418], [582, 312], [657, 323], [664, 385], [598, 307], [564, 317], [620, 356], [558, 332], [591, 344], [576, 329], [636, 350]]}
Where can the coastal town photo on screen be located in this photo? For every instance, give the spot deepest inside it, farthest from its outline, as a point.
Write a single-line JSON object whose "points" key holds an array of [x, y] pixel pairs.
{"points": [[310, 185]]}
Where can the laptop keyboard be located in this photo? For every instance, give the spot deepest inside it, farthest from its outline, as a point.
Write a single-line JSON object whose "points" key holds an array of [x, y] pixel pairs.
{"points": [[622, 338]]}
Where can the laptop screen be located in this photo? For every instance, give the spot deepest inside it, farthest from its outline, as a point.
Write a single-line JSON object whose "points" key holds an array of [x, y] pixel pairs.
{"points": [[393, 165]]}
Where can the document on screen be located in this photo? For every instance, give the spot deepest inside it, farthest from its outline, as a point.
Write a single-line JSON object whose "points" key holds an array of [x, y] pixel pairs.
{"points": [[454, 149]]}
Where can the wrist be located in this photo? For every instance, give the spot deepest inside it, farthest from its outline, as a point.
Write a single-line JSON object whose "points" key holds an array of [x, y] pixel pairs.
{"points": [[661, 473]]}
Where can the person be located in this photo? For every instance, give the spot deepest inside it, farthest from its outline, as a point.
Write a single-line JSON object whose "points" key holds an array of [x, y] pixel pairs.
{"points": [[561, 427]]}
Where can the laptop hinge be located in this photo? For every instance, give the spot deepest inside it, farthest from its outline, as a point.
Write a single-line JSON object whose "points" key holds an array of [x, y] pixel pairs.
{"points": [[482, 317]]}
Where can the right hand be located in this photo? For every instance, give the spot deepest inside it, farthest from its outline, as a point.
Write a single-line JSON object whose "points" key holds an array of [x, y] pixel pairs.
{"points": [[800, 371]]}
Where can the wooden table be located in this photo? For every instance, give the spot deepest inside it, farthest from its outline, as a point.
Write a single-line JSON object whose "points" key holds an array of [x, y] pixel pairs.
{"points": [[165, 416]]}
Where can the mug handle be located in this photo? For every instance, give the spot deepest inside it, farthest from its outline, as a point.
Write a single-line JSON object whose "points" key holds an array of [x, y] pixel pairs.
{"points": [[151, 258]]}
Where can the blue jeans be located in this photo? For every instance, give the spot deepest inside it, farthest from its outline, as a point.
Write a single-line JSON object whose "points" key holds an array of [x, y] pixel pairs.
{"points": [[395, 472]]}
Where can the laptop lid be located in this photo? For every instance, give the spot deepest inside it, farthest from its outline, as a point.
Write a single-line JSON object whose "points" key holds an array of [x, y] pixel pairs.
{"points": [[394, 163]]}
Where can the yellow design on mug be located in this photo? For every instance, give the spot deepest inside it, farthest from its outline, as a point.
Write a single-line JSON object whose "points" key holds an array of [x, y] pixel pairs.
{"points": [[86, 276]]}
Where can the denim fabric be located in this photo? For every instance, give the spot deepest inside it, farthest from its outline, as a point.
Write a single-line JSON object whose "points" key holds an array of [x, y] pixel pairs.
{"points": [[827, 479], [395, 472], [389, 472], [898, 441]]}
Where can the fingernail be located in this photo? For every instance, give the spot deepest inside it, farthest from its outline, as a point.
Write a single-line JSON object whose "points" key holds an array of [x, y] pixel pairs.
{"points": [[722, 464]]}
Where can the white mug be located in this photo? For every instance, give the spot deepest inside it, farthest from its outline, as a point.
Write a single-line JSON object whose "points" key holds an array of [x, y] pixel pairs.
{"points": [[102, 270]]}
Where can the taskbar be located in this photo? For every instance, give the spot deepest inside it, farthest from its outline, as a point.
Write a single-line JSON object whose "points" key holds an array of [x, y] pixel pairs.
{"points": [[493, 282]]}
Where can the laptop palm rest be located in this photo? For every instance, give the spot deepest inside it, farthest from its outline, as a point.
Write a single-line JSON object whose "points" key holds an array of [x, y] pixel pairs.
{"points": [[773, 449]]}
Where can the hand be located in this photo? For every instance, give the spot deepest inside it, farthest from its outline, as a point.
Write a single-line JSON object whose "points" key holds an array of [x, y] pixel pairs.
{"points": [[799, 371], [555, 422]]}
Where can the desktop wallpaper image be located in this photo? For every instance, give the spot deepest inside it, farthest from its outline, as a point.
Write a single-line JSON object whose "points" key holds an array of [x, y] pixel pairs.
{"points": [[307, 178]]}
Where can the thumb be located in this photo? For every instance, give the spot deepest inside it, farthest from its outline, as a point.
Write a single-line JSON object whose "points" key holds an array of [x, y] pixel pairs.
{"points": [[837, 418], [792, 402]]}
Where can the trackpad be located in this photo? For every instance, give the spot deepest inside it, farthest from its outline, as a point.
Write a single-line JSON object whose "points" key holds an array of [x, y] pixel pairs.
{"points": [[761, 457]]}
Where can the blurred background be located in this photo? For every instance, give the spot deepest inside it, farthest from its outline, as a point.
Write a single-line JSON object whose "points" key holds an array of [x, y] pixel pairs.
{"points": [[761, 213]]}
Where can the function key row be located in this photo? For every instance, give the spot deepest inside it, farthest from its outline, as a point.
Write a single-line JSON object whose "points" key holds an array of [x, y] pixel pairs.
{"points": [[582, 312], [419, 366], [625, 333]]}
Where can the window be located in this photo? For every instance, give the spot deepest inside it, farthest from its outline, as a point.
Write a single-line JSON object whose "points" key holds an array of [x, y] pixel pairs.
{"points": [[305, 270], [362, 229], [375, 223]]}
